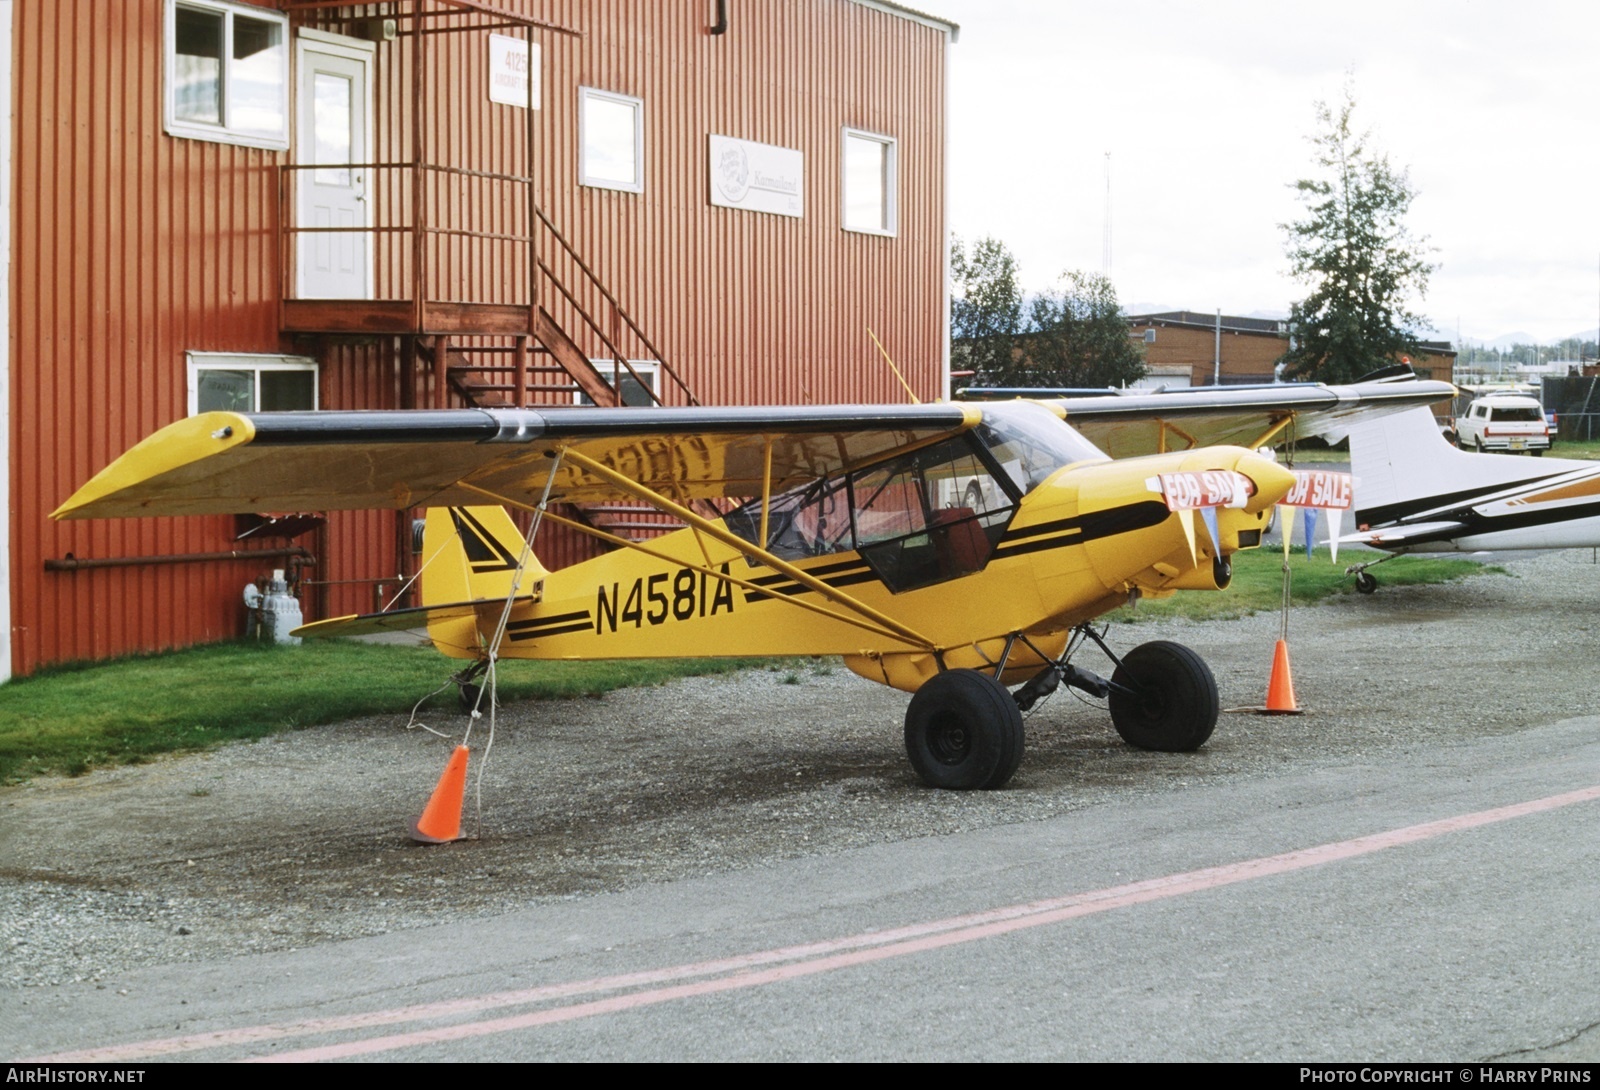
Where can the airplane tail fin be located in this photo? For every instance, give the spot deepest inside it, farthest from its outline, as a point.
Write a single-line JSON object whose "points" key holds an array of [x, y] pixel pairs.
{"points": [[471, 554], [1403, 466]]}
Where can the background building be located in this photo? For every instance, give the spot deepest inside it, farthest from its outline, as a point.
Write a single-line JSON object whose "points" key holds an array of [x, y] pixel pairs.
{"points": [[422, 203], [1226, 350]]}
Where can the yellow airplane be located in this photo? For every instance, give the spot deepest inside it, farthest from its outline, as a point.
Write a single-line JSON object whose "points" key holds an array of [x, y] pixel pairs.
{"points": [[948, 550]]}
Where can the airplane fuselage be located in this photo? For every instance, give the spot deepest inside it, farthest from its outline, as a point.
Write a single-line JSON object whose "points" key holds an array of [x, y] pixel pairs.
{"points": [[1083, 541]]}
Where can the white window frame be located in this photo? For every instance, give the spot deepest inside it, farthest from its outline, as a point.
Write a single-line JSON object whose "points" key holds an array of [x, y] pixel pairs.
{"points": [[891, 183], [649, 370], [248, 361], [590, 94], [222, 134]]}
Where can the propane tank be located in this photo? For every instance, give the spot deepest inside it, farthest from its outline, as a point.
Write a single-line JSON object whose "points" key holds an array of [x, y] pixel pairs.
{"points": [[279, 610]]}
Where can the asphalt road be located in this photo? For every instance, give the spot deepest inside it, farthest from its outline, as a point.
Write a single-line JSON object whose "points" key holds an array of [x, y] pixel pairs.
{"points": [[1179, 930]]}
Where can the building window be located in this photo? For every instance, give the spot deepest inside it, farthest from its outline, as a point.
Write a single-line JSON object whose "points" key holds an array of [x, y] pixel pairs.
{"points": [[869, 182], [235, 382], [610, 140], [227, 73], [634, 391]]}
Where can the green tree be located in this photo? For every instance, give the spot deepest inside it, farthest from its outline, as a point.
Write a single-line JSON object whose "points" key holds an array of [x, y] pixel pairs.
{"points": [[985, 307], [1078, 337], [1355, 253], [1072, 335]]}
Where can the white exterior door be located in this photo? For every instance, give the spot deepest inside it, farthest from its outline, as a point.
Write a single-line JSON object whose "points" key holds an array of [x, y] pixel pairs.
{"points": [[333, 135]]}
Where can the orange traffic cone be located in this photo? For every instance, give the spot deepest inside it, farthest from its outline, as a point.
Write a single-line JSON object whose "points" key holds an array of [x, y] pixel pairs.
{"points": [[440, 822], [1280, 688]]}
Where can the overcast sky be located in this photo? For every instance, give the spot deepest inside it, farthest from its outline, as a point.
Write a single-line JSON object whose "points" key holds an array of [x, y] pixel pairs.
{"points": [[1492, 107]]}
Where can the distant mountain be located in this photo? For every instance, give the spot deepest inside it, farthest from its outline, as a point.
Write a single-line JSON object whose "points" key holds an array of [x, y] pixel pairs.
{"points": [[1509, 340], [1506, 340]]}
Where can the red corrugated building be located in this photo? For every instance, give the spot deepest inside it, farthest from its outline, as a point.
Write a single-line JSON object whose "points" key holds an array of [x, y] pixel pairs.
{"points": [[424, 203]]}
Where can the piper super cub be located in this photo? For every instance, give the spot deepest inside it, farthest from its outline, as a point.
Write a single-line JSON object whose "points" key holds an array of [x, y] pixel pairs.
{"points": [[948, 550]]}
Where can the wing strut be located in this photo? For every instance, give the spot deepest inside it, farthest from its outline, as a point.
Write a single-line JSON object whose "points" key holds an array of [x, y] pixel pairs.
{"points": [[1272, 433], [1166, 426], [733, 541]]}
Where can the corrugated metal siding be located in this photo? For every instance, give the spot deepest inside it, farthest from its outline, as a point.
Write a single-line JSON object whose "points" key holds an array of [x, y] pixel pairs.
{"points": [[129, 248], [132, 247], [752, 308]]}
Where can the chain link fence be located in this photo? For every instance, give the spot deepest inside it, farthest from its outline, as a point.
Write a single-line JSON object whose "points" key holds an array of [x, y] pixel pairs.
{"points": [[1575, 401]]}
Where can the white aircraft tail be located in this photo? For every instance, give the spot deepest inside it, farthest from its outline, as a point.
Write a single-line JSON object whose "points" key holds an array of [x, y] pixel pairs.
{"points": [[1404, 466]]}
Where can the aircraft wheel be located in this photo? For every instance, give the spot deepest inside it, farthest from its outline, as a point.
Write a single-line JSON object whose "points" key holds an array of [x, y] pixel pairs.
{"points": [[963, 731], [1365, 583], [468, 696], [1175, 709]]}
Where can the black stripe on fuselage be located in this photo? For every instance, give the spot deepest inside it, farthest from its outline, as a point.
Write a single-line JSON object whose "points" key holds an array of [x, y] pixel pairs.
{"points": [[1016, 542], [1404, 509], [850, 573], [583, 626], [1474, 524], [542, 626], [818, 572]]}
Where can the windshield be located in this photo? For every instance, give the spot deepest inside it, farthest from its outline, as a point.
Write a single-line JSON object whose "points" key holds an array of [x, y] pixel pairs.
{"points": [[1030, 442]]}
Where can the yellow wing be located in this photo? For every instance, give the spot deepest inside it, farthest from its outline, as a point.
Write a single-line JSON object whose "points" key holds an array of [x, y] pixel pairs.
{"points": [[1132, 423], [219, 463]]}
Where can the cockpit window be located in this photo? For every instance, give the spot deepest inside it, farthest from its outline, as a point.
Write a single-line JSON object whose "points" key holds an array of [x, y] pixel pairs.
{"points": [[926, 516], [1030, 442]]}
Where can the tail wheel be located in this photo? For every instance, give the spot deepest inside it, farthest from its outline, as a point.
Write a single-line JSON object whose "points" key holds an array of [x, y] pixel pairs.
{"points": [[1365, 583], [963, 732], [1173, 702]]}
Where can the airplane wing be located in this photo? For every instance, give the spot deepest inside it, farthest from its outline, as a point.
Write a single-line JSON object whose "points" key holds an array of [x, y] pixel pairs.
{"points": [[1126, 424], [219, 463]]}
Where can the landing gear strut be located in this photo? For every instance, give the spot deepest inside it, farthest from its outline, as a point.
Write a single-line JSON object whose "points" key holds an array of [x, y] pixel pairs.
{"points": [[1365, 583], [468, 689], [1161, 695], [964, 730]]}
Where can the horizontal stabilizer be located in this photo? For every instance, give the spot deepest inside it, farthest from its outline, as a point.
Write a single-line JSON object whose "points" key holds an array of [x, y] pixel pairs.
{"points": [[1399, 537], [403, 620]]}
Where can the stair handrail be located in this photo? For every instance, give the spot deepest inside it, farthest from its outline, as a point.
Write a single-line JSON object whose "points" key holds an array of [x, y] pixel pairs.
{"points": [[633, 326]]}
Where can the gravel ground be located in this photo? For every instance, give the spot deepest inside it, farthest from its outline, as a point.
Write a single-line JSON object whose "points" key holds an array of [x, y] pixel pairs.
{"points": [[298, 840]]}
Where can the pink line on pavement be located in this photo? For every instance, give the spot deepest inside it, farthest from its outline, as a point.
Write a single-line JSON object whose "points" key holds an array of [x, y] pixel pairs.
{"points": [[810, 959]]}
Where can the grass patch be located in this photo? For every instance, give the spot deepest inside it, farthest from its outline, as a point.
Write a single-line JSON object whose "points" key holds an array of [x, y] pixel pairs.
{"points": [[1258, 584], [72, 718], [1574, 448]]}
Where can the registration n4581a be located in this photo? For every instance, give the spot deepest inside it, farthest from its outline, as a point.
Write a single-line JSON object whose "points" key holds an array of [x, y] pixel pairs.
{"points": [[655, 599]]}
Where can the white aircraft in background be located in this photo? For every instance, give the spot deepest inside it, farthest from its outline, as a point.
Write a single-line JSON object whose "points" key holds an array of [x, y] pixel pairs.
{"points": [[1415, 493]]}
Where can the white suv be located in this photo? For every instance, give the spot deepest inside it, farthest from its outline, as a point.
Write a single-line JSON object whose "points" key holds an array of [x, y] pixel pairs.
{"points": [[1503, 422]]}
